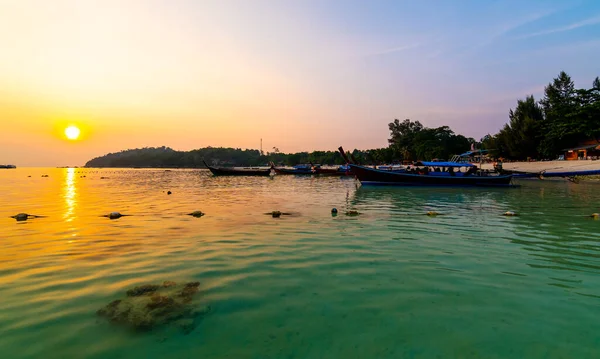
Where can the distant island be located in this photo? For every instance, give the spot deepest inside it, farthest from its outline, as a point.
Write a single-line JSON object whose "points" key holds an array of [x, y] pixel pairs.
{"points": [[165, 157], [563, 123]]}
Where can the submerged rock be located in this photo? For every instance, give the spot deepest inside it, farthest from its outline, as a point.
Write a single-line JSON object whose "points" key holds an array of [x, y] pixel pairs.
{"points": [[141, 290], [115, 215], [149, 306], [21, 216], [277, 214], [196, 214], [24, 216]]}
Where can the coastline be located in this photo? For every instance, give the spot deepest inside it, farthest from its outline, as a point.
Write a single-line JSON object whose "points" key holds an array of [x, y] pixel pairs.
{"points": [[551, 166]]}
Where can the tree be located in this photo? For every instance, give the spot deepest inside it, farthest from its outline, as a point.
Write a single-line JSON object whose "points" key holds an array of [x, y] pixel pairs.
{"points": [[558, 103], [521, 137], [402, 137]]}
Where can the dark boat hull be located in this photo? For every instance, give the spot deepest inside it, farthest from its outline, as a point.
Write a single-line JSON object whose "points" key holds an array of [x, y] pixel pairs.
{"points": [[370, 176], [332, 172], [293, 171]]}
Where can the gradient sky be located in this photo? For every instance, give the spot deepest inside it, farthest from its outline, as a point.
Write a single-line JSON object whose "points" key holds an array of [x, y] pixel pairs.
{"points": [[301, 75]]}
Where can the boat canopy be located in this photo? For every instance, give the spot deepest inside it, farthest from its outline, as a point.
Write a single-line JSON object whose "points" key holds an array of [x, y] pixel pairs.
{"points": [[474, 153], [444, 164]]}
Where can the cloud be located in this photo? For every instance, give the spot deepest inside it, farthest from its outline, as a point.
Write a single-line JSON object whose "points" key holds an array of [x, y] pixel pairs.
{"points": [[588, 22], [398, 49]]}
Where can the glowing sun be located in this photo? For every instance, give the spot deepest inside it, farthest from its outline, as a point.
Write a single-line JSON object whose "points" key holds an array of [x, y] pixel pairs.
{"points": [[72, 132]]}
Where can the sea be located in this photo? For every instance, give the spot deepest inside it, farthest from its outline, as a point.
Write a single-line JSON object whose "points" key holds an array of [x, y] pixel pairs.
{"points": [[390, 282]]}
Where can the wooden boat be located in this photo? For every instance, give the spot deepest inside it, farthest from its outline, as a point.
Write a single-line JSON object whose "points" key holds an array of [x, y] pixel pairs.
{"points": [[236, 171], [296, 170], [372, 176], [8, 166], [340, 171]]}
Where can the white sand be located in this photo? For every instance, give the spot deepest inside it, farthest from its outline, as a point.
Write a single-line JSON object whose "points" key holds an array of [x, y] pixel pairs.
{"points": [[550, 166]]}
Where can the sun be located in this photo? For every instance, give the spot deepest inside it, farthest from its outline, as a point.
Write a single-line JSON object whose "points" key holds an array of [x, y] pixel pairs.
{"points": [[72, 132]]}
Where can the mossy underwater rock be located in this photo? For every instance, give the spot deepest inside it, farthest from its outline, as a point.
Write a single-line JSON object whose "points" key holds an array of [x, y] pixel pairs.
{"points": [[150, 306]]}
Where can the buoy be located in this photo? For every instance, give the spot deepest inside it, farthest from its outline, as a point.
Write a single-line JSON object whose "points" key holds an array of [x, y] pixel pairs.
{"points": [[169, 192], [196, 214], [595, 215], [352, 213], [509, 213], [334, 211]]}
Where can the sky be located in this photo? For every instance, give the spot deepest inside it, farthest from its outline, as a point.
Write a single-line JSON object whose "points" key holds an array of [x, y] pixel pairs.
{"points": [[302, 75]]}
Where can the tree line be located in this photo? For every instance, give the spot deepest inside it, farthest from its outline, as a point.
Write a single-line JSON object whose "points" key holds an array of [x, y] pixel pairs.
{"points": [[217, 156], [542, 129]]}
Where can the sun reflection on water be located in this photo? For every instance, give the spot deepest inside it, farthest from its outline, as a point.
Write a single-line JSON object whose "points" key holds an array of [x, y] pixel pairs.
{"points": [[70, 193]]}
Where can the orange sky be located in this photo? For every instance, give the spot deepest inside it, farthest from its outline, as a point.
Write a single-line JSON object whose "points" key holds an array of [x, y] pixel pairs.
{"points": [[301, 75]]}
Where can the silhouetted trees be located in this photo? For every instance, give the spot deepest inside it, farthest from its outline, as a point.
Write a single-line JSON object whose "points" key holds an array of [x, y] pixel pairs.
{"points": [[220, 156], [412, 141], [561, 119]]}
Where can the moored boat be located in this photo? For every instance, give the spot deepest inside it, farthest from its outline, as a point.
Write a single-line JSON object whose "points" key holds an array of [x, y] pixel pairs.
{"points": [[296, 170], [340, 171], [238, 171], [444, 174], [8, 166]]}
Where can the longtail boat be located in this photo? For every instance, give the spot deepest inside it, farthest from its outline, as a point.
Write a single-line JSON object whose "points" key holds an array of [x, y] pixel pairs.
{"points": [[238, 171], [340, 171], [372, 176], [296, 170], [442, 174]]}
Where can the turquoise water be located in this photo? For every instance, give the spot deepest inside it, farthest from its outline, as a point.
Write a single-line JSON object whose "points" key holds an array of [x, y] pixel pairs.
{"points": [[389, 283]]}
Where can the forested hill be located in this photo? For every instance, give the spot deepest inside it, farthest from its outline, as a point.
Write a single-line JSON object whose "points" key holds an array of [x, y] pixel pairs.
{"points": [[167, 157]]}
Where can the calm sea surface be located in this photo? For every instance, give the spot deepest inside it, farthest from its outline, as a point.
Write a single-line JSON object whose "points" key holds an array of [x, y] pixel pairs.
{"points": [[389, 283]]}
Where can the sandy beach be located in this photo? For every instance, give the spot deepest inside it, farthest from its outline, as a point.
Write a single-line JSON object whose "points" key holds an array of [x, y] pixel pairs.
{"points": [[551, 166]]}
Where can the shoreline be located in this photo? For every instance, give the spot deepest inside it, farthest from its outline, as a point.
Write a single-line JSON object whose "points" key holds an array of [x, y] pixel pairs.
{"points": [[551, 166]]}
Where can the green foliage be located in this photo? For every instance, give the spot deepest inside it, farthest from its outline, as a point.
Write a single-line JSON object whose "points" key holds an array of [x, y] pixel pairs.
{"points": [[412, 141], [562, 119]]}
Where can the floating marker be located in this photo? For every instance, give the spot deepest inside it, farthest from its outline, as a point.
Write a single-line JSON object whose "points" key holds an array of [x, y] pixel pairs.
{"points": [[334, 211], [595, 215]]}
